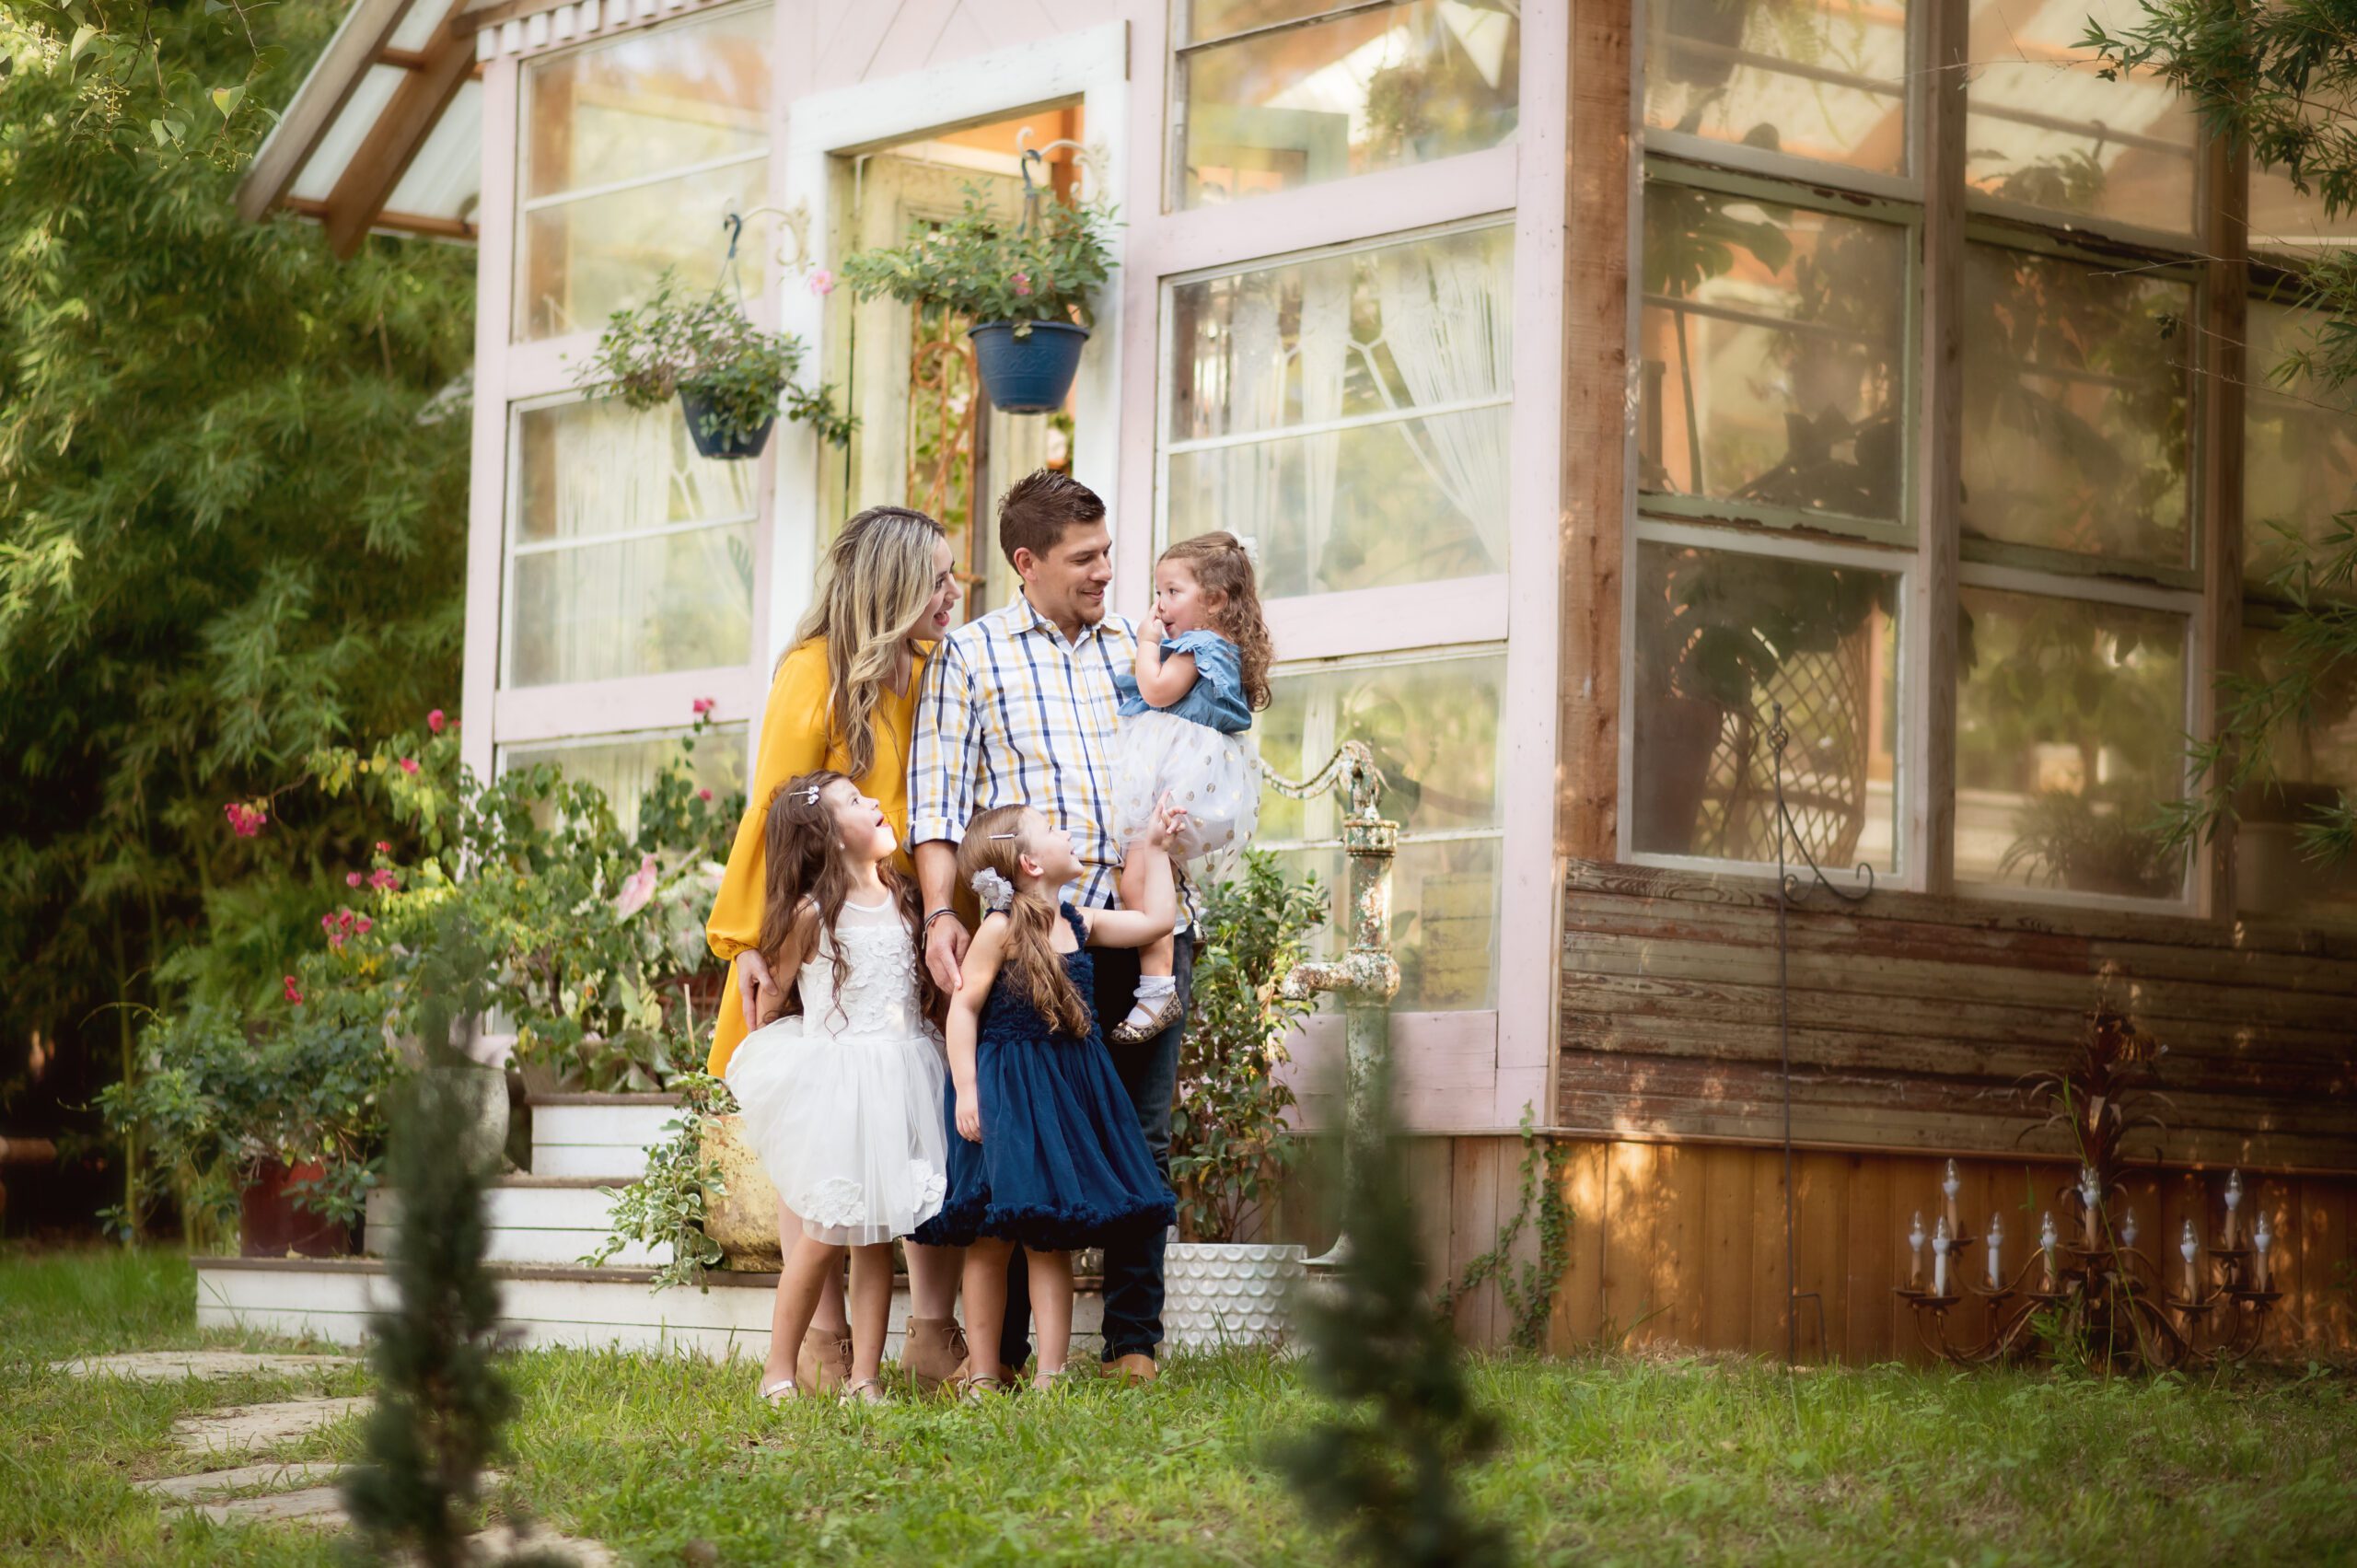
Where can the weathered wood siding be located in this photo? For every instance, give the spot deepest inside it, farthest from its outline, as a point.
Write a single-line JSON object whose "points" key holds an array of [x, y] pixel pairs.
{"points": [[1914, 1018], [1683, 1243]]}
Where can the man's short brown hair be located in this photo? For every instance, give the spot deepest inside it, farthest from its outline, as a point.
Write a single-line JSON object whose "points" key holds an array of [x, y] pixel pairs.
{"points": [[1034, 515]]}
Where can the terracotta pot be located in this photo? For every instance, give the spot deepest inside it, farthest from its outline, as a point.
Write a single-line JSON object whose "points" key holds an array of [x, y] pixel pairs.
{"points": [[270, 1225], [743, 1221]]}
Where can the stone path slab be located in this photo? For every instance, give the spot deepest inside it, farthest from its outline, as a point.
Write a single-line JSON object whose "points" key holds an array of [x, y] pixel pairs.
{"points": [[215, 1485], [319, 1506], [260, 1426], [172, 1365]]}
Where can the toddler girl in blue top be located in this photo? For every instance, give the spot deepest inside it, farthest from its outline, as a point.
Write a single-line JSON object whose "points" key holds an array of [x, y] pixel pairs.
{"points": [[1202, 668]]}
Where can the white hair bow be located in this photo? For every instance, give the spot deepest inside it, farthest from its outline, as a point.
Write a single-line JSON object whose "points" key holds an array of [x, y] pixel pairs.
{"points": [[995, 891]]}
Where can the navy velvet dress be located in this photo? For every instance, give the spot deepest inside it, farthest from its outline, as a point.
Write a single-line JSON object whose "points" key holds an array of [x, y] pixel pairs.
{"points": [[1061, 1164]]}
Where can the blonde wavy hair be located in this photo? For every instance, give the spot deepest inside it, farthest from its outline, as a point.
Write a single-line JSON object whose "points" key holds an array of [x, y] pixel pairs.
{"points": [[996, 840], [879, 573]]}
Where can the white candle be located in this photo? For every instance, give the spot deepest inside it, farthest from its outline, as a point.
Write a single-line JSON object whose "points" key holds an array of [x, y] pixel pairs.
{"points": [[2090, 1197], [2187, 1246], [2046, 1236], [1939, 1244], [2233, 1202], [1950, 1185], [1996, 1241], [2128, 1229], [2263, 1239], [1915, 1251]]}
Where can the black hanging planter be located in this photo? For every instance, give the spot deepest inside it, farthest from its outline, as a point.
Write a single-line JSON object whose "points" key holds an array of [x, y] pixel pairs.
{"points": [[1031, 374], [719, 444]]}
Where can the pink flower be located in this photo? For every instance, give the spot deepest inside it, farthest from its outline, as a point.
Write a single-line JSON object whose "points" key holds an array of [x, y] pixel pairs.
{"points": [[433, 721], [352, 878], [409, 765], [363, 924], [384, 848], [245, 820], [703, 705], [823, 283], [381, 880], [1023, 283], [292, 994], [703, 794], [327, 922], [637, 888]]}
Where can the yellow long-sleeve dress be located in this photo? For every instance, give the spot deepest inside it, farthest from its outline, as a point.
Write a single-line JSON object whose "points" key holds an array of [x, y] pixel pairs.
{"points": [[796, 738]]}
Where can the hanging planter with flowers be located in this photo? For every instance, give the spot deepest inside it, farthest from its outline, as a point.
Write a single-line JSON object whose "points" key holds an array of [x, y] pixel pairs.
{"points": [[732, 379], [1026, 286]]}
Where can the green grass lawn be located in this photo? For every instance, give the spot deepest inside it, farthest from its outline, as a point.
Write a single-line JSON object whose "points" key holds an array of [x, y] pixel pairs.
{"points": [[1606, 1460]]}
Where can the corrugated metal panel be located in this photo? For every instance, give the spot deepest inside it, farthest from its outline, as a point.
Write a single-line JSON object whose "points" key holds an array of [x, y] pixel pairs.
{"points": [[343, 138], [447, 175]]}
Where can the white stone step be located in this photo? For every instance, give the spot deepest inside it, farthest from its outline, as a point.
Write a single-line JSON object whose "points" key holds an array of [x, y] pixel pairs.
{"points": [[332, 1297], [531, 1219], [597, 1135]]}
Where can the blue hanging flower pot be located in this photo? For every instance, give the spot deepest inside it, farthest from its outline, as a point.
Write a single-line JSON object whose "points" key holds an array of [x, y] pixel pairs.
{"points": [[724, 444], [1032, 374]]}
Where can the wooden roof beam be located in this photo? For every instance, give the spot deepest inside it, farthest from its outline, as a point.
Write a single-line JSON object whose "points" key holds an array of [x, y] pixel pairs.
{"points": [[393, 142], [364, 34]]}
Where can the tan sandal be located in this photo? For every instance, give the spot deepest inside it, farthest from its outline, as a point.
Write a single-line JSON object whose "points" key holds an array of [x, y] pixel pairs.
{"points": [[866, 1391], [978, 1390], [781, 1390]]}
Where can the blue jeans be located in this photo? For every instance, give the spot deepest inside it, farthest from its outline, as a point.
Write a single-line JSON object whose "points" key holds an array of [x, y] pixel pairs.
{"points": [[1149, 1071]]}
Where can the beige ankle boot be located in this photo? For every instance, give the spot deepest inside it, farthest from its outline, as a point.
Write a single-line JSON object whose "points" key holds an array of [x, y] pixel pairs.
{"points": [[824, 1365], [933, 1351]]}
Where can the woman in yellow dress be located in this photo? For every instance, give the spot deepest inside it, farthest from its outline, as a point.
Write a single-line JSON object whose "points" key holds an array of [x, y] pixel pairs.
{"points": [[845, 697]]}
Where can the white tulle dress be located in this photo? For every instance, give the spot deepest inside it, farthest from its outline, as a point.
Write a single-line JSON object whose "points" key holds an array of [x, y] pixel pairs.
{"points": [[1199, 751], [842, 1102]]}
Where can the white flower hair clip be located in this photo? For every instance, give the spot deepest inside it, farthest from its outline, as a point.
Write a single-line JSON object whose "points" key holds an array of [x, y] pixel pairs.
{"points": [[995, 891], [804, 797]]}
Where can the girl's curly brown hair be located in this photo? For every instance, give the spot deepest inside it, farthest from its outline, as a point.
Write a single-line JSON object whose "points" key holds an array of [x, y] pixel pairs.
{"points": [[1232, 601]]}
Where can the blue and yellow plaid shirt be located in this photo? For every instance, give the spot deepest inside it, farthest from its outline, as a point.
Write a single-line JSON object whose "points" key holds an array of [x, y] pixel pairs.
{"points": [[1009, 713]]}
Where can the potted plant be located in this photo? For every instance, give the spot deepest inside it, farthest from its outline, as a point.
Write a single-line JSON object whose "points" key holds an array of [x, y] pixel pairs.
{"points": [[732, 379], [1228, 1143], [1024, 286]]}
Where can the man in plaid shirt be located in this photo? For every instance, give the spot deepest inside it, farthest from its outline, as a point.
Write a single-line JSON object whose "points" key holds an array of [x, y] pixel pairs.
{"points": [[1018, 708]]}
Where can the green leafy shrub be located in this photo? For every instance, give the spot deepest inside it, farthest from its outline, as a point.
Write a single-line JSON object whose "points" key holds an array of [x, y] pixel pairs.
{"points": [[665, 1207], [708, 350], [1227, 1122], [983, 267]]}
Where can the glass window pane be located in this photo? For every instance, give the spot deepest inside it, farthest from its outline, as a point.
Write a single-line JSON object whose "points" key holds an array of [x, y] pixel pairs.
{"points": [[2300, 447], [584, 259], [1354, 348], [1772, 340], [583, 469], [1434, 727], [664, 593], [604, 611], [1222, 19], [2070, 733], [2077, 381], [1822, 79], [2313, 761], [624, 766], [2042, 129], [1721, 638], [683, 93], [2281, 219], [1377, 89]]}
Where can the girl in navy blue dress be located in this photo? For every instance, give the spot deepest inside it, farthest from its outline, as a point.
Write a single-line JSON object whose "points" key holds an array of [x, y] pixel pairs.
{"points": [[1045, 1152]]}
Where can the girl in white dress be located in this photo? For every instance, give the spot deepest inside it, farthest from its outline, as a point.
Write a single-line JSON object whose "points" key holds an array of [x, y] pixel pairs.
{"points": [[843, 1101], [1186, 737]]}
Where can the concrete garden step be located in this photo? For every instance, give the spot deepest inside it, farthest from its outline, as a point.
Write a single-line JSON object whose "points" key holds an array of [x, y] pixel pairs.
{"points": [[607, 1307], [597, 1135], [531, 1219]]}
